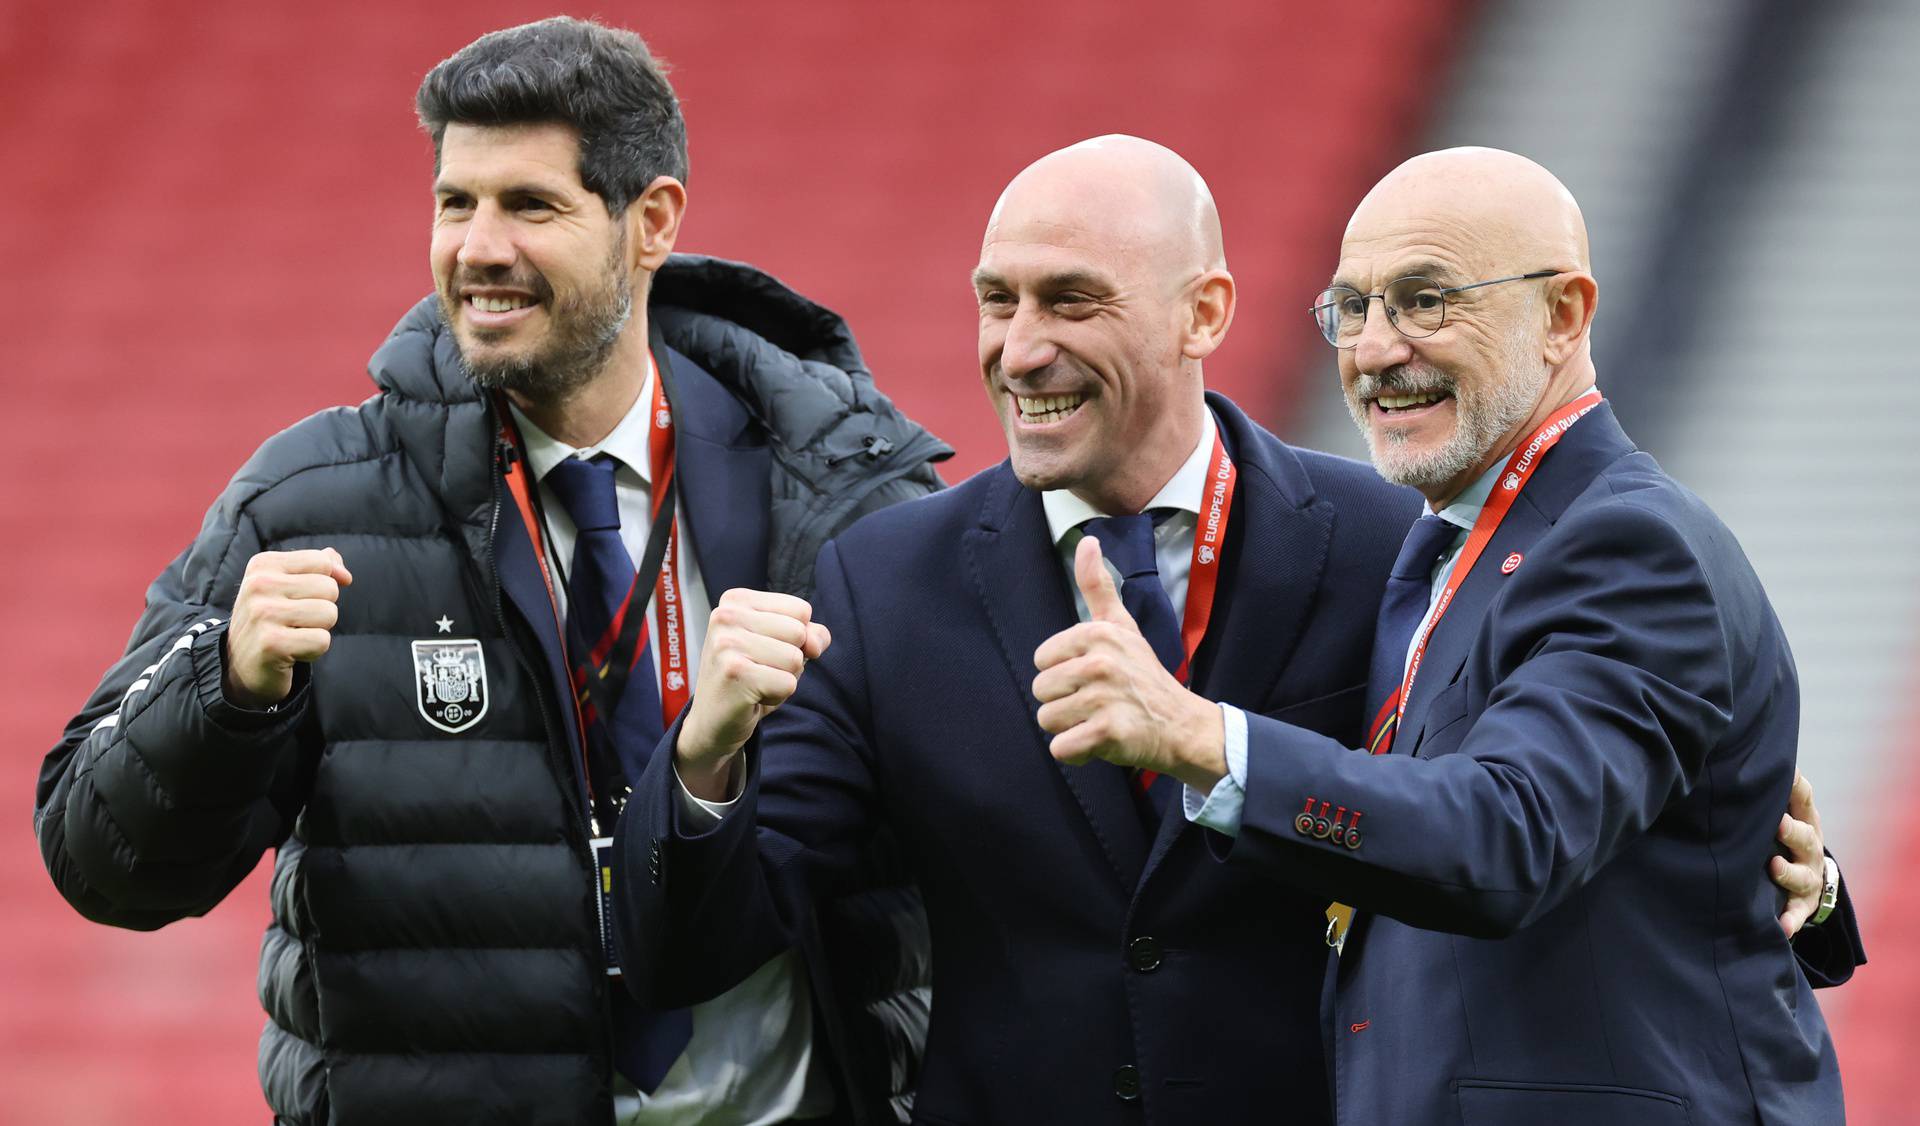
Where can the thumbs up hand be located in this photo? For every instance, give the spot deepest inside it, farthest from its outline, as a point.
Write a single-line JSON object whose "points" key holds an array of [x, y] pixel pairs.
{"points": [[1104, 694], [1097, 587]]}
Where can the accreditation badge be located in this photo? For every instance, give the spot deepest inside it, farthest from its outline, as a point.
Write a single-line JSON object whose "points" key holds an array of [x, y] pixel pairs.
{"points": [[450, 683], [603, 879]]}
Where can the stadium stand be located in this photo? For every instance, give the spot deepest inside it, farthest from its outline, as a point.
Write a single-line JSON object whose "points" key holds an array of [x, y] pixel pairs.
{"points": [[218, 209]]}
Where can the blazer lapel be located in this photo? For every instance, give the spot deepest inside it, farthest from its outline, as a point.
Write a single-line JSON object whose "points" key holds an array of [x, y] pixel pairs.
{"points": [[724, 483], [526, 589], [1594, 442], [1276, 549], [1453, 638], [1278, 536], [1029, 603]]}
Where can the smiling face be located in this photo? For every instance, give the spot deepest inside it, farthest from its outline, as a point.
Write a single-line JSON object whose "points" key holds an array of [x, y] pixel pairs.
{"points": [[1437, 410], [1080, 356], [1433, 408], [531, 270], [1089, 296]]}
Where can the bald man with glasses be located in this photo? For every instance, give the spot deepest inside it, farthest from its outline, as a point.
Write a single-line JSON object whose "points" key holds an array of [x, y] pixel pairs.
{"points": [[1547, 881]]}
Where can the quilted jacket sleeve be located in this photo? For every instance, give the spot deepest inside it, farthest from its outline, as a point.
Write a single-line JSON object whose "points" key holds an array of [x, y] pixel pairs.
{"points": [[161, 795]]}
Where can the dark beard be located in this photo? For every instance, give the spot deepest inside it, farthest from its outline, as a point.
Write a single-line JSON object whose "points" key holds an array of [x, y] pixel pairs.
{"points": [[584, 331]]}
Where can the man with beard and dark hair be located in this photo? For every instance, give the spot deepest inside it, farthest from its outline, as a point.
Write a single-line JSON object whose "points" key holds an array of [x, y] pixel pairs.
{"points": [[423, 646]]}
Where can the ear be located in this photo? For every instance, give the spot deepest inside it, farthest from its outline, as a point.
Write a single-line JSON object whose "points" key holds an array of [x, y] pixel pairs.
{"points": [[653, 223], [1210, 314], [1571, 300]]}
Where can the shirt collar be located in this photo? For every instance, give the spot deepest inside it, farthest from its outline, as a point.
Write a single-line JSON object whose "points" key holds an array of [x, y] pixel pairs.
{"points": [[626, 444], [1465, 509], [1183, 490]]}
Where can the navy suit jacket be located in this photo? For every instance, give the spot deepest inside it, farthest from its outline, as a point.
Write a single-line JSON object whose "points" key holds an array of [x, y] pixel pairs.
{"points": [[1565, 914], [1088, 967]]}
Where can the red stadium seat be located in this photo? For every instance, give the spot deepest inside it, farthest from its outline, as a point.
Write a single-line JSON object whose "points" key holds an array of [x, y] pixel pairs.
{"points": [[216, 211]]}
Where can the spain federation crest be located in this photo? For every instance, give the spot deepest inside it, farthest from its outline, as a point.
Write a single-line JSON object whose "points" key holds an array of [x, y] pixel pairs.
{"points": [[450, 683]]}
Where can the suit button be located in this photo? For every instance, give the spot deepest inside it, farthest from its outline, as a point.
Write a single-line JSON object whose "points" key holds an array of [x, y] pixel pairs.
{"points": [[1143, 954], [1126, 1083]]}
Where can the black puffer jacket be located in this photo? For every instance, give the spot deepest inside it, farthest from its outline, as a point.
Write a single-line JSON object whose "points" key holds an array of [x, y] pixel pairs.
{"points": [[434, 953]]}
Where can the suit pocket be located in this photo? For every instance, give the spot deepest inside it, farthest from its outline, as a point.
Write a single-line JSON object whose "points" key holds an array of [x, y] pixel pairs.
{"points": [[1336, 715], [1441, 729], [1487, 1102]]}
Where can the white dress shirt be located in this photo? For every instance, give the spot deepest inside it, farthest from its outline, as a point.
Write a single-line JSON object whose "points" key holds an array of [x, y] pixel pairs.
{"points": [[751, 1049], [1220, 810], [1172, 537]]}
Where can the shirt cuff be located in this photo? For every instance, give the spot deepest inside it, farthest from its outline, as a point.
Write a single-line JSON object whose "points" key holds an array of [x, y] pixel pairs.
{"points": [[1220, 809], [700, 814]]}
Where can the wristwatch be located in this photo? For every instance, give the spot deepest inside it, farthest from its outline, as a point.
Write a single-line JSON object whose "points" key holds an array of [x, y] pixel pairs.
{"points": [[1829, 894]]}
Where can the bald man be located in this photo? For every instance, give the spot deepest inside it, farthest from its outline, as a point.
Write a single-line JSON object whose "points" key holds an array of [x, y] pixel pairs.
{"points": [[1094, 964], [1548, 882]]}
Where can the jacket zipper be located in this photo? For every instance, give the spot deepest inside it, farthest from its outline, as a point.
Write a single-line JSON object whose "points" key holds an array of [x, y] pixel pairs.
{"points": [[503, 457]]}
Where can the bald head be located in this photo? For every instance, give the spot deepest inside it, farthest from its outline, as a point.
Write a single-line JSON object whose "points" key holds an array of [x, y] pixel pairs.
{"points": [[1102, 287], [1142, 197], [1496, 208], [1479, 258]]}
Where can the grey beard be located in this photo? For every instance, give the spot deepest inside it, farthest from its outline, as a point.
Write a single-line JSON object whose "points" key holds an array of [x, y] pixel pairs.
{"points": [[1481, 417]]}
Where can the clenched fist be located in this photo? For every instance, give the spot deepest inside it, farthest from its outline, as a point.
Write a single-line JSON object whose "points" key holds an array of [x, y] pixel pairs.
{"points": [[757, 645], [286, 608]]}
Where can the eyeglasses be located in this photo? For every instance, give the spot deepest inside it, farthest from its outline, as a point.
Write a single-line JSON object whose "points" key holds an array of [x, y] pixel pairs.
{"points": [[1415, 305]]}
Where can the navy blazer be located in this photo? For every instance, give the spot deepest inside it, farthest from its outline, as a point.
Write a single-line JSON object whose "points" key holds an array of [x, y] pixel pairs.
{"points": [[1088, 968], [1565, 914]]}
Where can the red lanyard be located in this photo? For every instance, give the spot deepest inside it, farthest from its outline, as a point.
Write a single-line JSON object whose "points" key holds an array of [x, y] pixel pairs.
{"points": [[1513, 478], [1209, 544], [675, 686], [1203, 575], [1518, 472]]}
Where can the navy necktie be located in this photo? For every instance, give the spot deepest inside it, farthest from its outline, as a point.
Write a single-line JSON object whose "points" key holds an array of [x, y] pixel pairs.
{"points": [[600, 581], [601, 572], [1127, 543], [1409, 593]]}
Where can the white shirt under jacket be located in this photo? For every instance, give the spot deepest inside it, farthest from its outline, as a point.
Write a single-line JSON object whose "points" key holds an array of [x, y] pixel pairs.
{"points": [[751, 1049]]}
